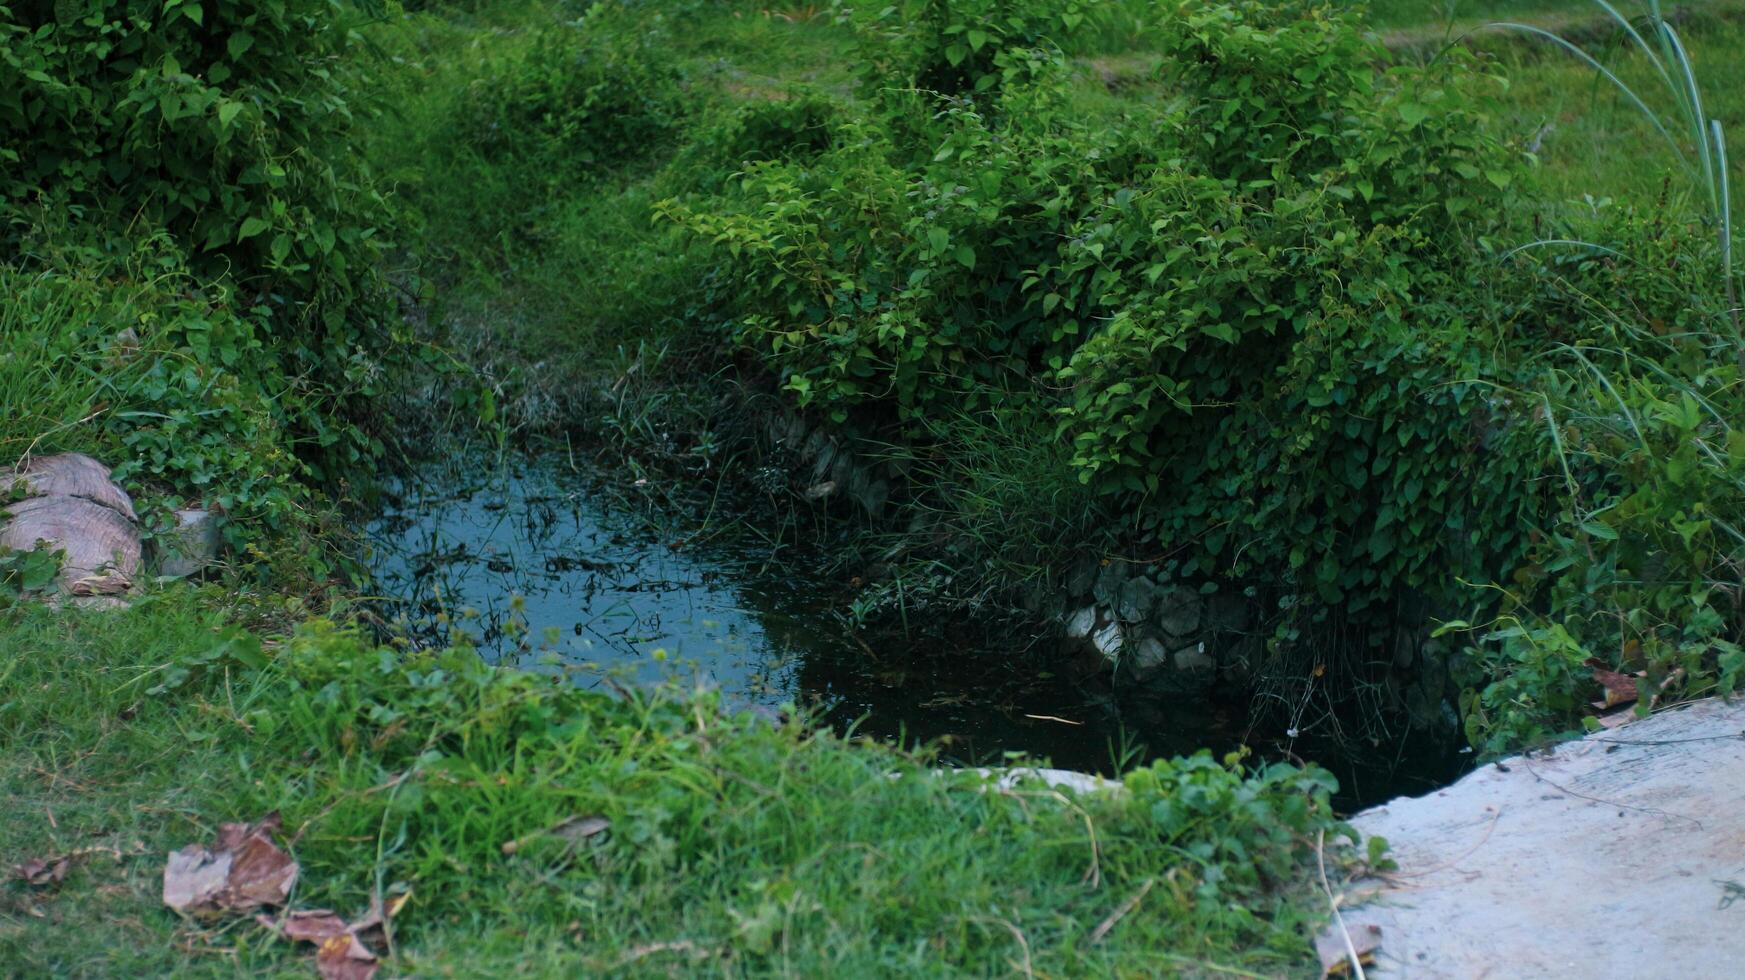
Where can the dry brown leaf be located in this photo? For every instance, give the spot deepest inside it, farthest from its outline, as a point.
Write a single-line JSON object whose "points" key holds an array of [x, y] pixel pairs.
{"points": [[1330, 946], [43, 871], [243, 871], [113, 583], [341, 954], [379, 913], [308, 925], [342, 957], [1619, 688]]}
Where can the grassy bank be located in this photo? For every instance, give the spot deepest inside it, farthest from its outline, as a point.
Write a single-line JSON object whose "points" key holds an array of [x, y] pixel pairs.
{"points": [[736, 846]]}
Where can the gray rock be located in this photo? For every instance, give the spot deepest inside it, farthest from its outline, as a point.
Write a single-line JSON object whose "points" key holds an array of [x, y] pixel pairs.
{"points": [[1193, 657], [1149, 656], [192, 546], [819, 451], [1134, 600], [69, 505], [1109, 582], [1179, 611], [1109, 641], [1229, 613], [842, 470], [70, 475], [1078, 782], [1239, 657], [1405, 649], [821, 460], [1080, 578], [1080, 624], [873, 496]]}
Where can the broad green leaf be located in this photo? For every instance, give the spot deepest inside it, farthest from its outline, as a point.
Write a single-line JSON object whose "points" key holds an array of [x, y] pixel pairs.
{"points": [[1222, 331]]}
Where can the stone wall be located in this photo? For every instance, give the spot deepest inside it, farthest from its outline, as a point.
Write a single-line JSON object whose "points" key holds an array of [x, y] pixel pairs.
{"points": [[1160, 633], [1127, 618]]}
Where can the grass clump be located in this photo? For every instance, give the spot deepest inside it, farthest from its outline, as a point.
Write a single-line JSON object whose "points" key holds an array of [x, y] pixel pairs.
{"points": [[172, 381], [736, 845], [1639, 570]]}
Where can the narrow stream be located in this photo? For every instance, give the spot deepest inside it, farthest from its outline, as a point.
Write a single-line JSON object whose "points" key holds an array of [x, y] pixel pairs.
{"points": [[528, 562]]}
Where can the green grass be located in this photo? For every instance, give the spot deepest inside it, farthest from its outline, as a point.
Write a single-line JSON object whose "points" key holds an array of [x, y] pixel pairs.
{"points": [[131, 360], [1431, 14], [49, 375], [737, 846], [1595, 143]]}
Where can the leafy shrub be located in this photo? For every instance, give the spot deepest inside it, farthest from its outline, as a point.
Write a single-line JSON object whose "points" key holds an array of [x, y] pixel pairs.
{"points": [[896, 290], [798, 127], [224, 123], [1287, 368], [1249, 306], [963, 47], [1639, 568], [1258, 821], [580, 99], [25, 574]]}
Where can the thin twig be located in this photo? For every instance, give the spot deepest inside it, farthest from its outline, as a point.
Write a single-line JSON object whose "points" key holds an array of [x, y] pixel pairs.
{"points": [[1698, 824], [1103, 927], [1023, 944], [1333, 903], [1496, 816]]}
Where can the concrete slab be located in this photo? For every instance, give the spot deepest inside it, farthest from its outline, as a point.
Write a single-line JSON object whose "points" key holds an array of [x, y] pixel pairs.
{"points": [[1618, 856]]}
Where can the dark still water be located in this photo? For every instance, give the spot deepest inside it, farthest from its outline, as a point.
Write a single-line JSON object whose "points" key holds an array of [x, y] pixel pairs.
{"points": [[528, 561]]}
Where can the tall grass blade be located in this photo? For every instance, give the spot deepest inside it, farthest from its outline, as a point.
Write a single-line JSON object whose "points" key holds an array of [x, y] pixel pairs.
{"points": [[1693, 107], [1726, 219], [1546, 242], [1618, 83], [1640, 42]]}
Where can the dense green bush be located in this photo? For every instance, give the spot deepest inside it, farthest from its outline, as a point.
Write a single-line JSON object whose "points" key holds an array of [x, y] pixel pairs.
{"points": [[224, 123], [581, 98], [1250, 306], [964, 47], [798, 126], [1293, 367]]}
